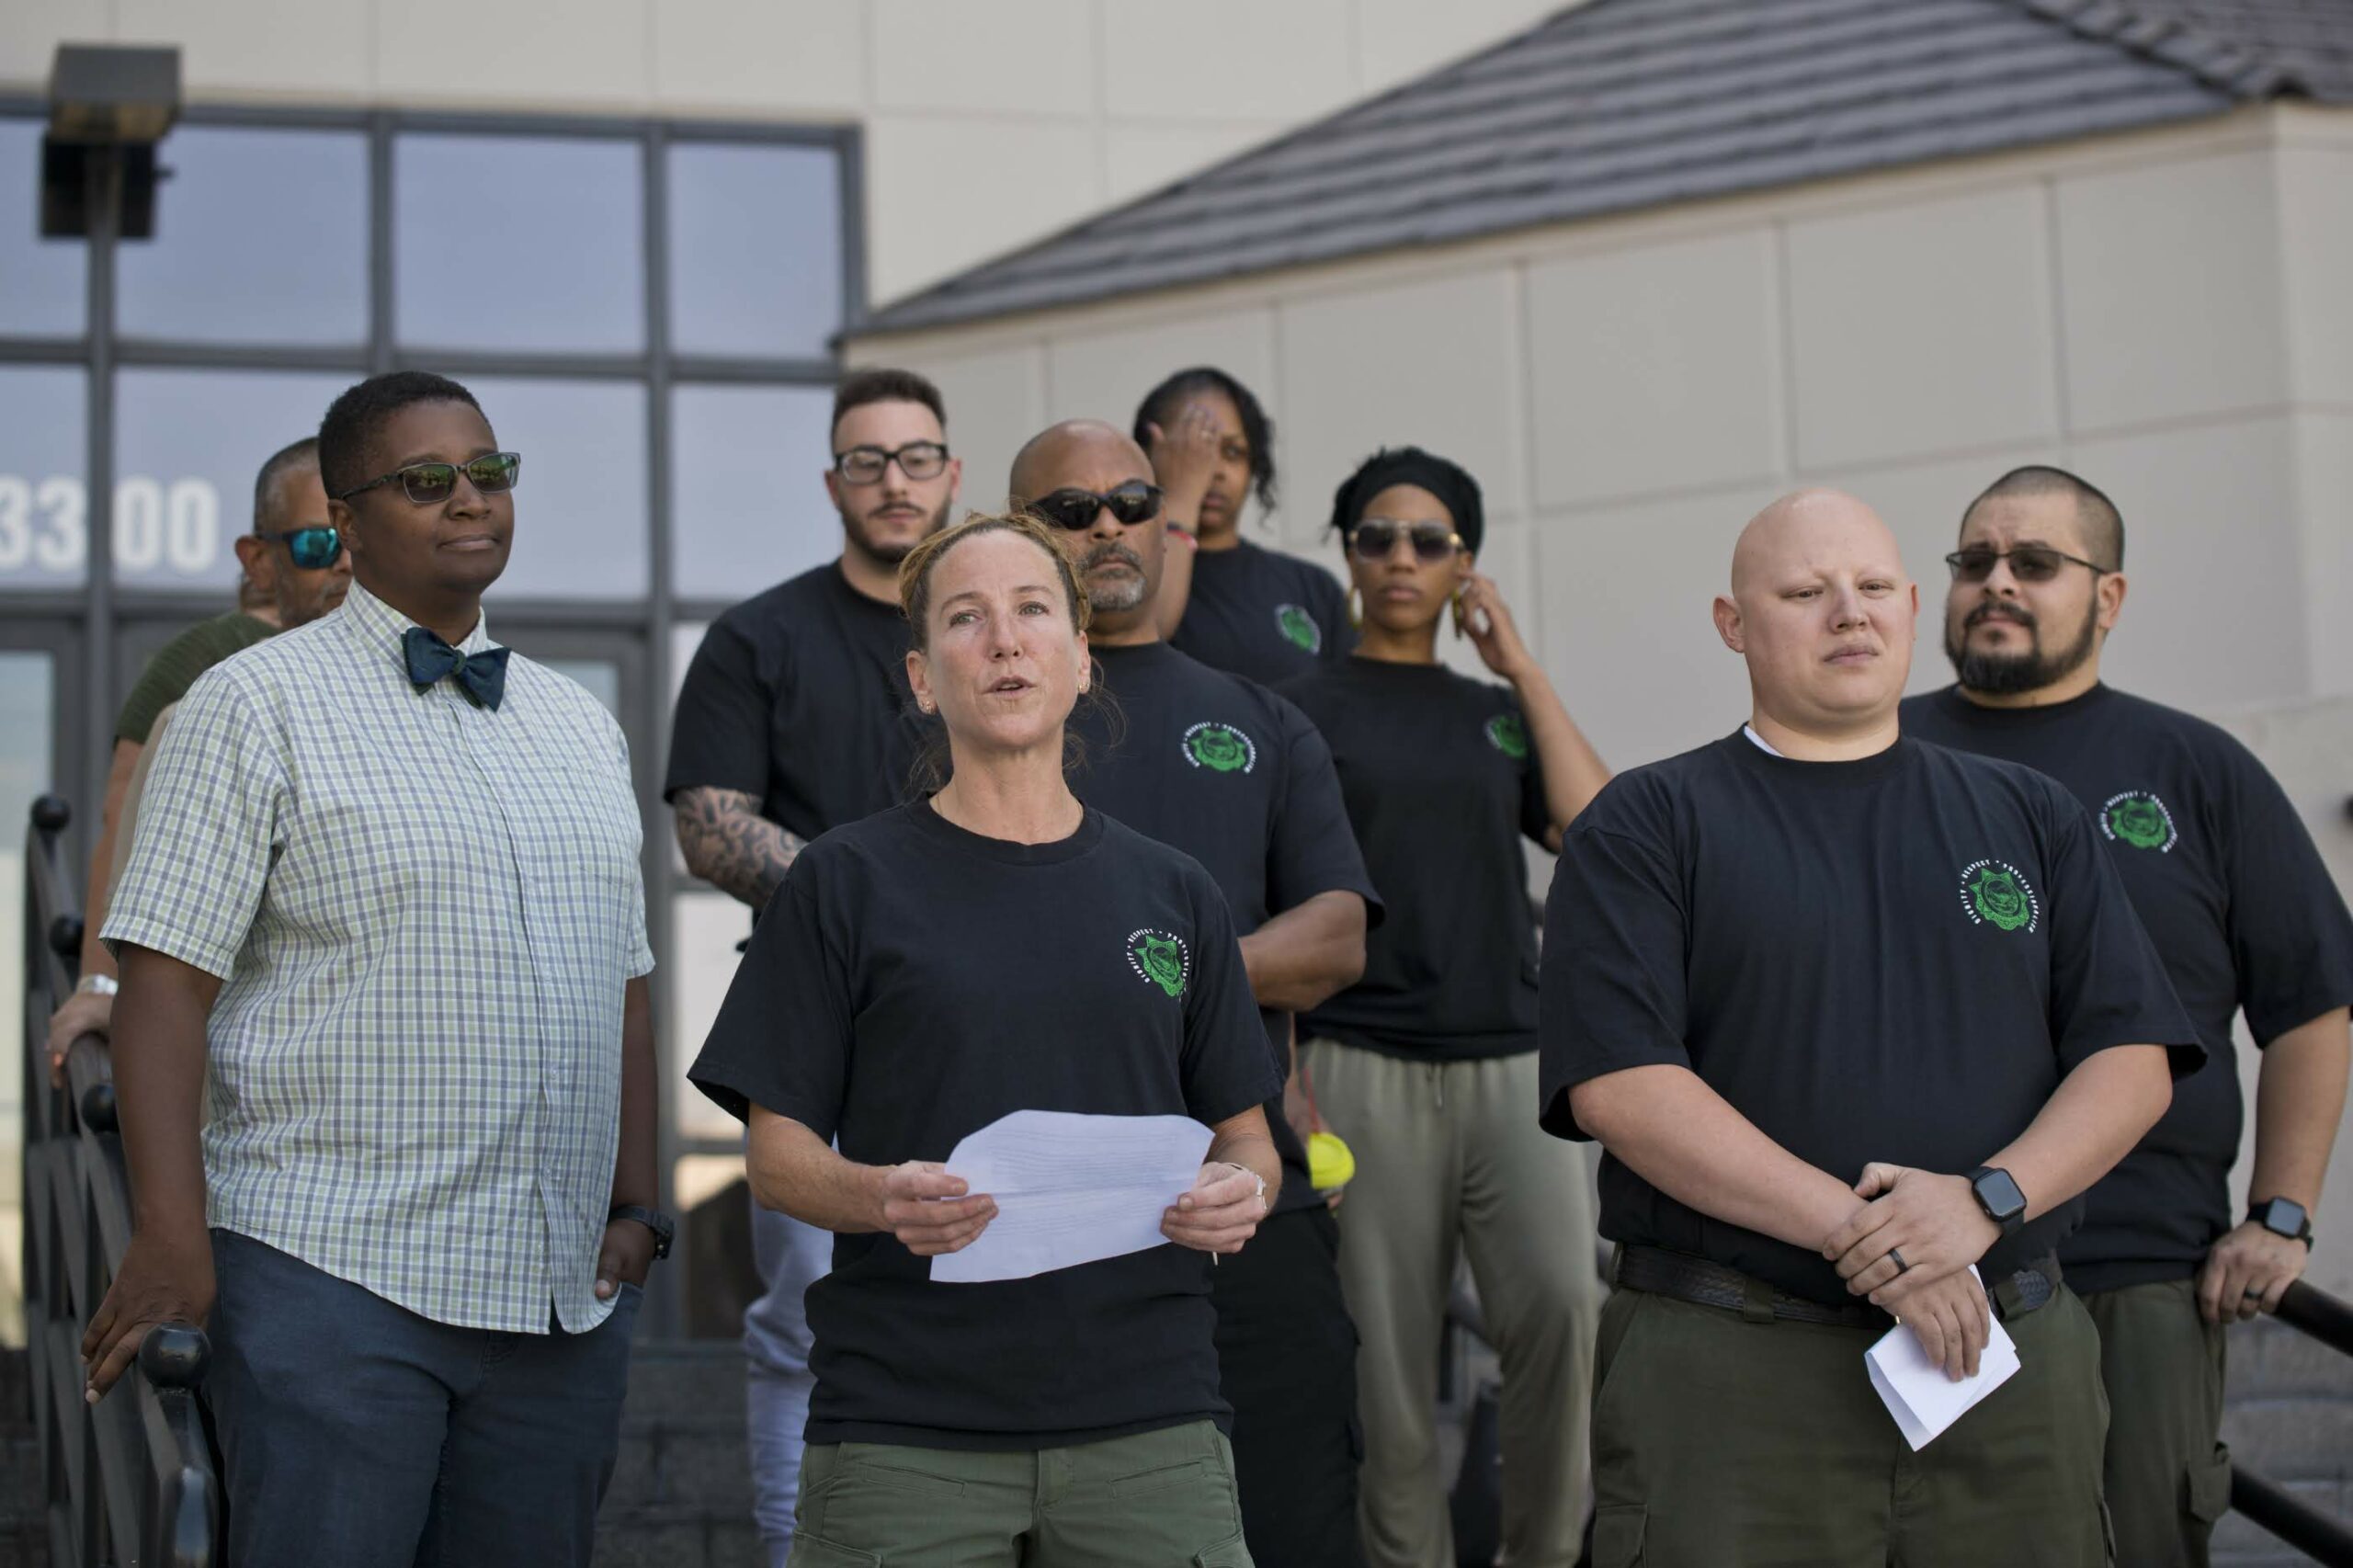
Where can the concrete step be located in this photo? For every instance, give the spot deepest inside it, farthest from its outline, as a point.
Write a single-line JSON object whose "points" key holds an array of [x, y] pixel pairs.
{"points": [[2287, 1415], [681, 1495], [24, 1515]]}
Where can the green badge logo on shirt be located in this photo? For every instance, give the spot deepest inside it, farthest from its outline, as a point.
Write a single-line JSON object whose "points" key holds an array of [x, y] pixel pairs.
{"points": [[1160, 958], [1299, 629], [1220, 748], [1996, 894], [1507, 735], [2138, 818]]}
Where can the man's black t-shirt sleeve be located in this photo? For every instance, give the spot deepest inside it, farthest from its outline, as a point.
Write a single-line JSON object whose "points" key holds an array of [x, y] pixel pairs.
{"points": [[2107, 985], [782, 1039], [1313, 850], [2291, 941], [718, 734], [1611, 993], [1225, 1067]]}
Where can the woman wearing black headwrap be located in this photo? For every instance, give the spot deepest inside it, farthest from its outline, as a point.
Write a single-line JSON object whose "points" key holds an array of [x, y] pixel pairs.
{"points": [[1427, 1066], [1233, 605]]}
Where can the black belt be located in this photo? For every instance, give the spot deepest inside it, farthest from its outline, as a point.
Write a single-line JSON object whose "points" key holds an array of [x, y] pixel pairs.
{"points": [[1695, 1279]]}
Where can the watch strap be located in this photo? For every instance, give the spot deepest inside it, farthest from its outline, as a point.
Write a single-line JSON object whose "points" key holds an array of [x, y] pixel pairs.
{"points": [[2265, 1213], [663, 1228]]}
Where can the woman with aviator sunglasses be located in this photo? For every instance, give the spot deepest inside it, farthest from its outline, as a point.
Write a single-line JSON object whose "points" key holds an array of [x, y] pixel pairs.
{"points": [[1428, 1065]]}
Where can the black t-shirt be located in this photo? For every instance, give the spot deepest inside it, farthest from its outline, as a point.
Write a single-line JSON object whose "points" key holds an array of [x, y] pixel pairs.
{"points": [[798, 696], [1441, 783], [911, 984], [1263, 614], [2240, 909], [1894, 959], [1236, 777]]}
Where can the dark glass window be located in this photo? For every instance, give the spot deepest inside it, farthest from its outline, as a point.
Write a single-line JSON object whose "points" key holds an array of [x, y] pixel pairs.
{"points": [[581, 509], [519, 242], [261, 236], [747, 488], [44, 506], [755, 245], [187, 445]]}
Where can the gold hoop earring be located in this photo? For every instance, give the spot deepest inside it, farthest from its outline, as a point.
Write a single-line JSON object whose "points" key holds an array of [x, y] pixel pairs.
{"points": [[1356, 609]]}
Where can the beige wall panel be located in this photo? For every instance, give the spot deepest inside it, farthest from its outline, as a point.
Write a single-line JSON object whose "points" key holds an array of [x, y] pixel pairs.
{"points": [[1657, 368], [584, 54], [945, 193], [996, 402], [2213, 621], [315, 49], [1142, 158], [1401, 39], [1922, 328], [30, 31], [1429, 363], [1035, 59], [2316, 244], [1228, 59], [1105, 375], [1626, 631], [726, 55], [2309, 748], [2325, 506], [2170, 282]]}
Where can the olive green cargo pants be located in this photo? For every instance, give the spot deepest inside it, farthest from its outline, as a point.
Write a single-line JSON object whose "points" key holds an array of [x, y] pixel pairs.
{"points": [[1720, 1442], [1162, 1499], [2168, 1475]]}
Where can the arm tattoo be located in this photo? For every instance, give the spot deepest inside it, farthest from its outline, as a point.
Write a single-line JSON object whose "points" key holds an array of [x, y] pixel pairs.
{"points": [[728, 844]]}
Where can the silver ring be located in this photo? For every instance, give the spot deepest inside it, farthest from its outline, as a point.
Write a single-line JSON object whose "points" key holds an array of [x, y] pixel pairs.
{"points": [[1897, 1254], [2250, 1295]]}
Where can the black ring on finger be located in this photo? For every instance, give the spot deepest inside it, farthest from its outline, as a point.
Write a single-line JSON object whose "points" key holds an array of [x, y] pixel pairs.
{"points": [[1901, 1266]]}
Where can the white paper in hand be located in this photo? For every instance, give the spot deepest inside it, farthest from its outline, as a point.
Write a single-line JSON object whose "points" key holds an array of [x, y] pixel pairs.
{"points": [[1917, 1392], [1070, 1189]]}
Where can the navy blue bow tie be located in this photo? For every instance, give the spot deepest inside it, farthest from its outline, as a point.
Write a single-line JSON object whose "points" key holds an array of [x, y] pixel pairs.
{"points": [[481, 675]]}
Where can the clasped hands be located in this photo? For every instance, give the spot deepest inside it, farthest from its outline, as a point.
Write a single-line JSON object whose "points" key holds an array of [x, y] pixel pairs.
{"points": [[932, 1212], [1934, 1224]]}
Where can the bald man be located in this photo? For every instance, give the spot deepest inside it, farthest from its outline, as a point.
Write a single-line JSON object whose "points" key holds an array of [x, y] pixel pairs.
{"points": [[1856, 1020], [1237, 777]]}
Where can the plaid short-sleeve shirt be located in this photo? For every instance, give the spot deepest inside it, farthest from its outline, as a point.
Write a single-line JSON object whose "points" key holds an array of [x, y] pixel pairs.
{"points": [[423, 914]]}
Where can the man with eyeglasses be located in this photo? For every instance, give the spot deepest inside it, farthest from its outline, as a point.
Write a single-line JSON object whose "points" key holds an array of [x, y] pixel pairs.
{"points": [[294, 561], [2246, 919], [792, 721], [1237, 777], [384, 1051]]}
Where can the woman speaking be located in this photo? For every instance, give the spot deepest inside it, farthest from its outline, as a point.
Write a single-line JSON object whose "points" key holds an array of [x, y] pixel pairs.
{"points": [[1428, 1065], [925, 972]]}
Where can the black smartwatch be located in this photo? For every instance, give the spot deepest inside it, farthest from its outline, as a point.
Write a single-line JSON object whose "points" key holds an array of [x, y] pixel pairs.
{"points": [[1999, 1196], [2283, 1217], [664, 1229]]}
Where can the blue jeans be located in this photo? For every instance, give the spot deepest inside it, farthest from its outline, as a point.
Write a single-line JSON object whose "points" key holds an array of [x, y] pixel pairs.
{"points": [[790, 1256], [356, 1433]]}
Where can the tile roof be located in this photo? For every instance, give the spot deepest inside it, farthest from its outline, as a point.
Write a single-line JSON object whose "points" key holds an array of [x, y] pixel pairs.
{"points": [[1625, 104]]}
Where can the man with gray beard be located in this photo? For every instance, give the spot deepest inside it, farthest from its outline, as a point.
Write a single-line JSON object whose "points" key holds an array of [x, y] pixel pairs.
{"points": [[1237, 777]]}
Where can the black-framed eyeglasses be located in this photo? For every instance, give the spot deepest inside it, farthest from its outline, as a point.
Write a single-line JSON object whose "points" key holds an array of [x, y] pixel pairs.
{"points": [[916, 459], [1373, 538], [429, 484], [1131, 504], [2028, 563], [312, 549]]}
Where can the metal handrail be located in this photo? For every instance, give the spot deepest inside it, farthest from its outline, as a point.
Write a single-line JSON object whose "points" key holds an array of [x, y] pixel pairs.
{"points": [[2322, 1537], [128, 1480]]}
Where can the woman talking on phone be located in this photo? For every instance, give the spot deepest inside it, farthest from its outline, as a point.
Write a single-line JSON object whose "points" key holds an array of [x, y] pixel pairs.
{"points": [[1428, 1065], [924, 973]]}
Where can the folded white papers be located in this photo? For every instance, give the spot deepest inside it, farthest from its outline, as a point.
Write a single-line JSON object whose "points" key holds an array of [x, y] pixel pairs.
{"points": [[1917, 1392], [1070, 1189]]}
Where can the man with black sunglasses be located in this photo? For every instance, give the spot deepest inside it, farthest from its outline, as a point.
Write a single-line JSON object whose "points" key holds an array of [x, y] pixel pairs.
{"points": [[2246, 919], [793, 721], [295, 564], [1237, 777], [384, 1051]]}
